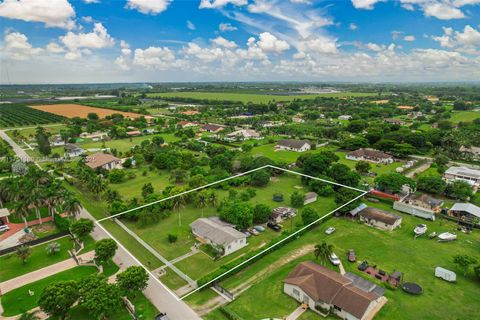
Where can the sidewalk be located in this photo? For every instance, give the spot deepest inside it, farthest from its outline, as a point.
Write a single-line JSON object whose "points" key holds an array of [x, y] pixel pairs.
{"points": [[25, 279]]}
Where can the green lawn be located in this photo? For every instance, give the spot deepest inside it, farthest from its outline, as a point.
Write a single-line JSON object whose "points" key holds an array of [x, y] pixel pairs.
{"points": [[255, 98], [12, 266], [464, 116], [18, 301], [417, 258], [133, 187]]}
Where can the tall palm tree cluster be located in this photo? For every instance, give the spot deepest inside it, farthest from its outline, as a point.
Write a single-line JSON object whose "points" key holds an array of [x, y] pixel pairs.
{"points": [[36, 190], [91, 180]]}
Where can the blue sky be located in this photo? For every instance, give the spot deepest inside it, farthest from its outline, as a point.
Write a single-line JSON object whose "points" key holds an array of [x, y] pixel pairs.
{"points": [[66, 41]]}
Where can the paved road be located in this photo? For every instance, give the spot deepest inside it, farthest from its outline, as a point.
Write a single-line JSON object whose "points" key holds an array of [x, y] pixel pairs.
{"points": [[155, 292]]}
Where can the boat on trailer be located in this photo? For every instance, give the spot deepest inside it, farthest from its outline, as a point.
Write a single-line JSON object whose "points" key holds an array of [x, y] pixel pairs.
{"points": [[447, 236], [420, 229]]}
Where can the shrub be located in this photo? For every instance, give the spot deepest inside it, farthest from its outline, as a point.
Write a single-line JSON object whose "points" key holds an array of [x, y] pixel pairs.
{"points": [[172, 238], [63, 224]]}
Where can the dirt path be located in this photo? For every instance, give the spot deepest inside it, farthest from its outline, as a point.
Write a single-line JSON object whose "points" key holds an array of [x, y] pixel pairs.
{"points": [[420, 169], [208, 306]]}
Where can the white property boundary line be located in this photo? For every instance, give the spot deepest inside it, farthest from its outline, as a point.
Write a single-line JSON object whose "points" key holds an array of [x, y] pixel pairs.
{"points": [[97, 222]]}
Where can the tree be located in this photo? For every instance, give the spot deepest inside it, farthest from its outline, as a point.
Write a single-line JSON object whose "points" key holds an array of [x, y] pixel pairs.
{"points": [[133, 280], [343, 175], [464, 262], [345, 195], [53, 248], [42, 141], [431, 184], [477, 271], [322, 252], [297, 199], [147, 189], [172, 238], [23, 252], [57, 298], [260, 178], [459, 190], [355, 143], [363, 166], [393, 182], [261, 213], [238, 213], [99, 297], [309, 215], [116, 175], [315, 164], [29, 316], [92, 116], [82, 228], [105, 250]]}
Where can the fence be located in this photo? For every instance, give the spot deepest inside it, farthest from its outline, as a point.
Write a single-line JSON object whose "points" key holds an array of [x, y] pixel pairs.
{"points": [[36, 242]]}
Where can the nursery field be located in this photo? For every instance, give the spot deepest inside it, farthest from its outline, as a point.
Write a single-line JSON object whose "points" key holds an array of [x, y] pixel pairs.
{"points": [[17, 115]]}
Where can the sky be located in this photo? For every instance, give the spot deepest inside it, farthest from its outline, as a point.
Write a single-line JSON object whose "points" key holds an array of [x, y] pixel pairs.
{"points": [[81, 41]]}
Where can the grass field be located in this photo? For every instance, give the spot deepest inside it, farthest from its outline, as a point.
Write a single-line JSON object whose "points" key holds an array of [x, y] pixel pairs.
{"points": [[464, 116], [417, 258], [255, 98], [133, 187]]}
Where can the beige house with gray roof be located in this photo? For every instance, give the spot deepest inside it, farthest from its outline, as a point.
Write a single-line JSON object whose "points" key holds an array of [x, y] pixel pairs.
{"points": [[216, 232]]}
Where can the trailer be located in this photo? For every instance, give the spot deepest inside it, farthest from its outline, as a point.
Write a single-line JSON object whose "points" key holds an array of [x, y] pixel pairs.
{"points": [[445, 274]]}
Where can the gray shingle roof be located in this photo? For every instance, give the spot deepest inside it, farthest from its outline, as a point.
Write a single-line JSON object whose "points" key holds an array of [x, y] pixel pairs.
{"points": [[295, 144], [467, 207], [215, 230]]}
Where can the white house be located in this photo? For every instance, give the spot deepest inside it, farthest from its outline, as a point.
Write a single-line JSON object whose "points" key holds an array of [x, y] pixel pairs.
{"points": [[244, 134], [345, 117], [380, 219], [422, 206], [471, 176], [56, 141], [216, 232], [326, 292], [370, 155], [72, 150], [293, 145]]}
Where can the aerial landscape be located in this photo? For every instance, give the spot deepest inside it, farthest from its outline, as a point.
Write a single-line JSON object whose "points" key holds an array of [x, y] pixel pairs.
{"points": [[239, 159]]}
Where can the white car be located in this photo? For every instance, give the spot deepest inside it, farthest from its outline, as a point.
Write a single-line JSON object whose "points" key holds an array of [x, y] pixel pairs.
{"points": [[334, 259], [330, 230]]}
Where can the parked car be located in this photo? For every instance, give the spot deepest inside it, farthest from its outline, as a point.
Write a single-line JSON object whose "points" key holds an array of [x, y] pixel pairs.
{"points": [[274, 226], [330, 230], [334, 259], [363, 266], [352, 257], [253, 231], [246, 233], [259, 228]]}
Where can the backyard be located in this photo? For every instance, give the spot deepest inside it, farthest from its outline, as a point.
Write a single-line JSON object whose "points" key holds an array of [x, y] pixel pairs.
{"points": [[396, 250]]}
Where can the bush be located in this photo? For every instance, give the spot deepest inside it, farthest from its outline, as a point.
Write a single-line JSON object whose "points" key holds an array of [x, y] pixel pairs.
{"points": [[229, 314], [172, 238], [63, 224]]}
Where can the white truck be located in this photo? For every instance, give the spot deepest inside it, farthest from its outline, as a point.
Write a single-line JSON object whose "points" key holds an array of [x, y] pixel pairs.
{"points": [[445, 274]]}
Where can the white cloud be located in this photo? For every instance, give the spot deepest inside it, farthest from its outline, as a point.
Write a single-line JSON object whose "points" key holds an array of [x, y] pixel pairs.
{"points": [[53, 13], [124, 60], [467, 41], [409, 38], [260, 6], [87, 19], [211, 4], [91, 1], [375, 47], [364, 4], [222, 42], [160, 58], [153, 7], [442, 11], [17, 47], [352, 26], [54, 48], [97, 39], [190, 25], [269, 43], [318, 44], [224, 27]]}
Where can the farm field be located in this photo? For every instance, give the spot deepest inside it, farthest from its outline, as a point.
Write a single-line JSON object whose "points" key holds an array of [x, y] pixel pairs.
{"points": [[464, 116], [200, 264], [396, 250], [78, 110], [255, 98], [18, 115]]}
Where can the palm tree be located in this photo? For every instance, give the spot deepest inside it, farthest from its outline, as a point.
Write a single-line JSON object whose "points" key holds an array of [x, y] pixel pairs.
{"points": [[178, 203], [213, 199], [71, 205], [323, 251], [20, 210], [53, 248], [23, 252], [97, 185], [29, 316], [202, 200]]}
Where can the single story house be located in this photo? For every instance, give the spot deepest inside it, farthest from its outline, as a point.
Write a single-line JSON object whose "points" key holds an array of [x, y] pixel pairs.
{"points": [[56, 141], [310, 197], [244, 134], [471, 176], [187, 124], [406, 107], [466, 211], [134, 133], [298, 119], [380, 219], [95, 136], [190, 112], [395, 121], [325, 291], [212, 128], [271, 124], [216, 232], [281, 213], [370, 155], [102, 160], [423, 206], [294, 145], [72, 150], [345, 117]]}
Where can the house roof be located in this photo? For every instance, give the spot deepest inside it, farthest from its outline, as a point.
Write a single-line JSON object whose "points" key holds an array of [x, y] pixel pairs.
{"points": [[71, 147], [379, 215], [425, 198], [212, 127], [294, 144], [282, 210], [216, 230], [310, 195], [246, 133], [190, 112], [369, 154], [99, 159], [463, 171], [467, 207], [134, 132], [184, 123], [474, 150], [354, 212], [328, 286]]}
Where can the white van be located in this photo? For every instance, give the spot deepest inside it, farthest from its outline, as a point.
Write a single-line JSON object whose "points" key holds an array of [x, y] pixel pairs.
{"points": [[445, 274]]}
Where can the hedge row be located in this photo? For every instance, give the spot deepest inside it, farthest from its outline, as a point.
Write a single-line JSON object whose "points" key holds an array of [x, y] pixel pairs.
{"points": [[229, 314], [227, 270]]}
